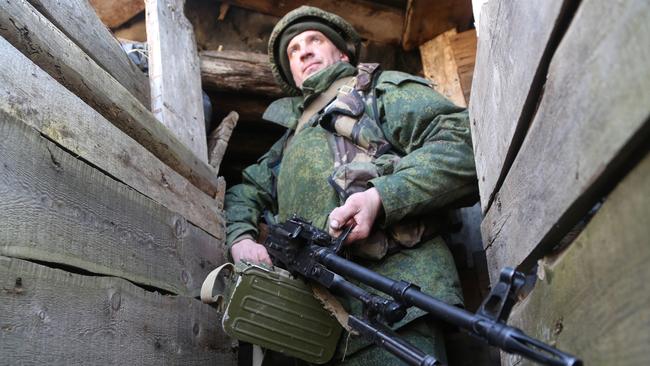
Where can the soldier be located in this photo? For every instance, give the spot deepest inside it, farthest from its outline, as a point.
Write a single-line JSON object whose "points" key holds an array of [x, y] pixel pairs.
{"points": [[378, 150]]}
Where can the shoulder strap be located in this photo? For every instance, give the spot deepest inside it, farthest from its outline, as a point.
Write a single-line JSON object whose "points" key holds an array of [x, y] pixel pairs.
{"points": [[322, 100]]}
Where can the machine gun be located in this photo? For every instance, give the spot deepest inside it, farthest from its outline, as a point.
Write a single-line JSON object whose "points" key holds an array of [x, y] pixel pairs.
{"points": [[303, 249]]}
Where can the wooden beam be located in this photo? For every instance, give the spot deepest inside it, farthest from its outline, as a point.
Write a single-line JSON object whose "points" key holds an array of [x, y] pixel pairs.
{"points": [[426, 19], [37, 38], [96, 41], [34, 97], [592, 300], [218, 140], [588, 125], [54, 317], [117, 12], [174, 74], [56, 208], [514, 38], [448, 62], [239, 72], [373, 21]]}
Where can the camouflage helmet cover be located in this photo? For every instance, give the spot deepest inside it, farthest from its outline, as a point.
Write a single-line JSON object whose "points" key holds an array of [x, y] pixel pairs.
{"points": [[309, 14]]}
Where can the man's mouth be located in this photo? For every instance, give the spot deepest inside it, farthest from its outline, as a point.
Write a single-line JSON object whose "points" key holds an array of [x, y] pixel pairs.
{"points": [[308, 67]]}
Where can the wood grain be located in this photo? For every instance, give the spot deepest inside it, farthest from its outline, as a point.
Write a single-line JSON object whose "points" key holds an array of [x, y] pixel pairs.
{"points": [[54, 317], [513, 38], [239, 72], [593, 299], [38, 39], [591, 120], [34, 97], [174, 74], [78, 20], [373, 21], [56, 208]]}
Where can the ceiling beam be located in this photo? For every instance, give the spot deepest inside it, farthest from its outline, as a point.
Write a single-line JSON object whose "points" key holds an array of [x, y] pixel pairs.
{"points": [[426, 19]]}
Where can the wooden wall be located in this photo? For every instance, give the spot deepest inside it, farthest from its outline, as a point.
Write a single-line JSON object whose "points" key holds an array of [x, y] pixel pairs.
{"points": [[559, 110], [108, 223]]}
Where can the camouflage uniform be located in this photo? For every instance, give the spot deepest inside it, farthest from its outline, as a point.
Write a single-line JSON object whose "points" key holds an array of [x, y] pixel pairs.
{"points": [[436, 169]]}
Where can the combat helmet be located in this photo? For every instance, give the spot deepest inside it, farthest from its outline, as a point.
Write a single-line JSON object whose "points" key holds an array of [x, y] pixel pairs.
{"points": [[346, 39]]}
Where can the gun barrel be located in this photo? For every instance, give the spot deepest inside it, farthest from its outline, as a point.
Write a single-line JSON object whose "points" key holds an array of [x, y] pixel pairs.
{"points": [[495, 333]]}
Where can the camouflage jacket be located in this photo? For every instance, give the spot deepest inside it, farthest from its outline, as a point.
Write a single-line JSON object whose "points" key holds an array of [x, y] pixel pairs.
{"points": [[436, 168]]}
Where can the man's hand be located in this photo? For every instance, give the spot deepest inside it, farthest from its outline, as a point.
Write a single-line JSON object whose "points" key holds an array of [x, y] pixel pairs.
{"points": [[360, 209], [250, 251]]}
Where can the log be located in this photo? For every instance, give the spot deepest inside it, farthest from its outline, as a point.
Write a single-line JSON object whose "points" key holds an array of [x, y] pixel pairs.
{"points": [[117, 12], [593, 298], [174, 74], [373, 21], [218, 140], [54, 317], [514, 50], [35, 98], [589, 124], [96, 41], [426, 19], [37, 38], [239, 72], [58, 209]]}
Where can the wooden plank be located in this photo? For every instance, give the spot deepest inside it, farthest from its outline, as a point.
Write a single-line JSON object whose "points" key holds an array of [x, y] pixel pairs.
{"points": [[426, 19], [114, 13], [237, 72], [448, 61], [54, 317], [440, 67], [38, 100], [96, 41], [376, 22], [56, 208], [464, 47], [37, 38], [174, 74], [513, 38], [593, 299], [592, 118]]}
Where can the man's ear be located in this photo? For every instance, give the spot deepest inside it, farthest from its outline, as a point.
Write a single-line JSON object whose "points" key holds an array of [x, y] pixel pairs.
{"points": [[344, 57]]}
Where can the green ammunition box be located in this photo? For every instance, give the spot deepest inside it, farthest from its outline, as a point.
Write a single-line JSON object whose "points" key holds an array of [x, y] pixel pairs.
{"points": [[276, 311]]}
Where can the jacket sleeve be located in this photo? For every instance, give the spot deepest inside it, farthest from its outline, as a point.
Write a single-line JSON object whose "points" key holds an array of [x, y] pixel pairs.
{"points": [[433, 136], [246, 202]]}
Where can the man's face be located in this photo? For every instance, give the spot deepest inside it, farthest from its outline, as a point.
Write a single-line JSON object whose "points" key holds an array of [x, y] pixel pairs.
{"points": [[309, 52]]}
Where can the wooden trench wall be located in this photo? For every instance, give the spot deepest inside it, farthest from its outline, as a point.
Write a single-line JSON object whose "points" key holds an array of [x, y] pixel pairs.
{"points": [[559, 109], [108, 222]]}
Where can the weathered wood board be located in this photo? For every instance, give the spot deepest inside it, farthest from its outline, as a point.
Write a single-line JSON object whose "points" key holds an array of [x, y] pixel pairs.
{"points": [[114, 13], [38, 39], [593, 299], [237, 72], [448, 61], [56, 208], [594, 113], [425, 19], [31, 95], [174, 74], [373, 21], [513, 39], [54, 317], [78, 20]]}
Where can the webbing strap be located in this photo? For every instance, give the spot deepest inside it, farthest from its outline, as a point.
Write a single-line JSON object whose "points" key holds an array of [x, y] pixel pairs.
{"points": [[322, 100]]}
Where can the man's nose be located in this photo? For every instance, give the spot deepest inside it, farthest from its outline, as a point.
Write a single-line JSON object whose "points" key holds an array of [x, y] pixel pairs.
{"points": [[306, 52]]}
